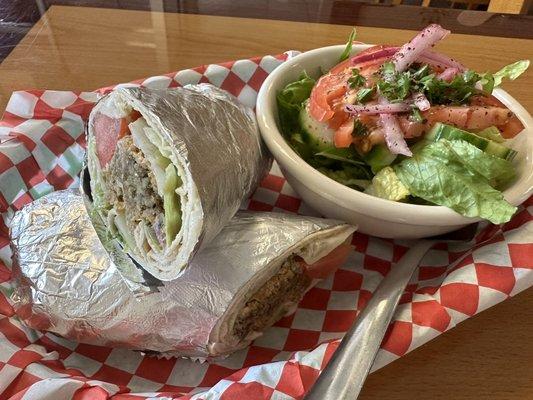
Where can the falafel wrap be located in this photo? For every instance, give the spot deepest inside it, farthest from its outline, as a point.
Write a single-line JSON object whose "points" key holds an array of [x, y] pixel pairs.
{"points": [[169, 168], [254, 272]]}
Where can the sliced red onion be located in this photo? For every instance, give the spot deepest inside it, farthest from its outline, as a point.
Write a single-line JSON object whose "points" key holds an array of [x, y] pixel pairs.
{"points": [[421, 101], [448, 74], [443, 60], [410, 51], [428, 57], [380, 53], [384, 108], [393, 132], [394, 135]]}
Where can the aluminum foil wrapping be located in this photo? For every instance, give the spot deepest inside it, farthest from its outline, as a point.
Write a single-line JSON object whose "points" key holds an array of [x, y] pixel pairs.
{"points": [[67, 283], [220, 142]]}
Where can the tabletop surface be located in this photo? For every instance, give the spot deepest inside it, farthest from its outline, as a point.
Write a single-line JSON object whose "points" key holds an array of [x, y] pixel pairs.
{"points": [[487, 356], [506, 18]]}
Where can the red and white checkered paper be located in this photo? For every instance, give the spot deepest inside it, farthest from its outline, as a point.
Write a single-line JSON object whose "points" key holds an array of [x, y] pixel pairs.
{"points": [[41, 149]]}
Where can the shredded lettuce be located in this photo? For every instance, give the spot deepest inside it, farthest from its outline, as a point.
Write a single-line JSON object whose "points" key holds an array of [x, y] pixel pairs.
{"points": [[171, 204], [151, 238], [458, 175], [97, 192], [124, 233], [115, 248], [167, 178]]}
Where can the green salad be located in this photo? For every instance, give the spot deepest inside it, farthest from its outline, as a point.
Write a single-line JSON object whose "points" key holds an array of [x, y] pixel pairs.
{"points": [[408, 124]]}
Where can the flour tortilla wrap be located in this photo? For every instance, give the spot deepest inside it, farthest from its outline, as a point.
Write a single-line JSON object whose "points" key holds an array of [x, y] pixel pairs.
{"points": [[169, 168], [254, 272]]}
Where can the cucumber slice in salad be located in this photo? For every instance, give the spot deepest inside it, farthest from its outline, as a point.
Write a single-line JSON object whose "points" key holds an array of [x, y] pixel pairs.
{"points": [[443, 131], [316, 134], [379, 157], [491, 133]]}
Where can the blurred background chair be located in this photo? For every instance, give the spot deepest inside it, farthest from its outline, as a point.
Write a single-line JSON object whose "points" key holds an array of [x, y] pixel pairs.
{"points": [[495, 6]]}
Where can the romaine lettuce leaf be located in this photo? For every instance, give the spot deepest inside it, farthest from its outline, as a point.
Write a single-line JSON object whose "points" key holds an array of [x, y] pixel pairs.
{"points": [[511, 71], [465, 156], [458, 175], [386, 185]]}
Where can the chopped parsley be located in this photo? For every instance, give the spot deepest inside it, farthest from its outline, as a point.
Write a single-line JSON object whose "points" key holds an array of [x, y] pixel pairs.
{"points": [[419, 72], [416, 116], [388, 71], [359, 129], [487, 83], [395, 87], [398, 86], [356, 80], [365, 95]]}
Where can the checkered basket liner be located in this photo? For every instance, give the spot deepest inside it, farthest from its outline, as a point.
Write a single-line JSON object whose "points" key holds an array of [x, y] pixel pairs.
{"points": [[41, 149]]}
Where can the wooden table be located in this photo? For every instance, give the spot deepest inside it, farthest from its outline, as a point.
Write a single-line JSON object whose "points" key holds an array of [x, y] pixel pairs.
{"points": [[487, 356]]}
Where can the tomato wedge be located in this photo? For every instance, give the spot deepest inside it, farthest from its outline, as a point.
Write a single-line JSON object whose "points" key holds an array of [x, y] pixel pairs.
{"points": [[328, 88], [325, 103], [339, 117], [329, 263], [343, 135], [512, 128], [327, 100], [107, 132], [486, 101]]}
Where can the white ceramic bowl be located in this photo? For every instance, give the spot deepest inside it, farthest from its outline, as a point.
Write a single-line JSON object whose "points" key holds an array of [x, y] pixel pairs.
{"points": [[373, 215]]}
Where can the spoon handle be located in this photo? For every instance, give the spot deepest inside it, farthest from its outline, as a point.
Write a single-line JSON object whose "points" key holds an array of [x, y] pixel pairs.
{"points": [[346, 372]]}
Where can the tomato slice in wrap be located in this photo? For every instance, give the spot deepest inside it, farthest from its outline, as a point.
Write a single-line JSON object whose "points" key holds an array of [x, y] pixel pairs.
{"points": [[108, 131], [328, 264]]}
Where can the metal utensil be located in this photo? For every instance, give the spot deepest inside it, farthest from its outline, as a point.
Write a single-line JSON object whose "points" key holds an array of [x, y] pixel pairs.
{"points": [[349, 366]]}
